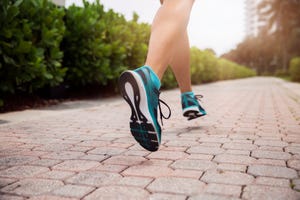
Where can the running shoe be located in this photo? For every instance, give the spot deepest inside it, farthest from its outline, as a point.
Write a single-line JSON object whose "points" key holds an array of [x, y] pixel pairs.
{"points": [[191, 107], [140, 89]]}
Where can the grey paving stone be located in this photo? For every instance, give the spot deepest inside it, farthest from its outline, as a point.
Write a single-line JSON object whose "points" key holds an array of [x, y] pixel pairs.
{"points": [[135, 181], [75, 191], [167, 155], [94, 178], [56, 174], [110, 168], [125, 160], [16, 160], [214, 139], [239, 146], [94, 157], [31, 187], [272, 181], [271, 155], [148, 171], [257, 192], [293, 150], [51, 197], [11, 197], [205, 150], [110, 151], [274, 143], [272, 171], [23, 171], [176, 185], [200, 156], [157, 162], [118, 192], [76, 165], [241, 141], [185, 173], [263, 161], [296, 184], [182, 143], [237, 152], [234, 159], [227, 177], [46, 162], [6, 181], [212, 197], [295, 164], [53, 147], [194, 164], [64, 155], [222, 140], [210, 144], [225, 190], [232, 167], [270, 148], [164, 196]]}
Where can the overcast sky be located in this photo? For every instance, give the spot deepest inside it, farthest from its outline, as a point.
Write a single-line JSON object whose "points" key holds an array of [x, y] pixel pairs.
{"points": [[216, 24]]}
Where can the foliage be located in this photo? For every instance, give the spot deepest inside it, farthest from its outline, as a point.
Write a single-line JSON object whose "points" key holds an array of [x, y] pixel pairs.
{"points": [[136, 40], [99, 45], [43, 45], [277, 42], [86, 45], [30, 36], [284, 17], [206, 67], [168, 81], [294, 69]]}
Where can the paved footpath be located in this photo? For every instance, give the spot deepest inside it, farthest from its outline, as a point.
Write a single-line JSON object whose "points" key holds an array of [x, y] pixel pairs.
{"points": [[247, 147]]}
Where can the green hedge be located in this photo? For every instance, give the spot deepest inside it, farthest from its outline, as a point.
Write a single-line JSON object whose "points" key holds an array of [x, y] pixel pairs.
{"points": [[92, 52], [98, 45], [43, 45], [294, 69], [30, 36], [206, 67]]}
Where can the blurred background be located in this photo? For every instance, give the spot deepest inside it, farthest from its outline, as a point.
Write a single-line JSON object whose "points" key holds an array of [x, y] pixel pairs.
{"points": [[57, 50]]}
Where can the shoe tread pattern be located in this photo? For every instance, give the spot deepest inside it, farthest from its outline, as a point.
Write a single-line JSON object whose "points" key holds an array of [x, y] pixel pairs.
{"points": [[143, 131]]}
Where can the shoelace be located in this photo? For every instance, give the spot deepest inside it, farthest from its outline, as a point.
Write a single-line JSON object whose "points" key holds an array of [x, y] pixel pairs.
{"points": [[198, 97], [161, 113]]}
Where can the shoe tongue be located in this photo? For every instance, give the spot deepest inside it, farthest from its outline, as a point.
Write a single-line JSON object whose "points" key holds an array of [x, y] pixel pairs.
{"points": [[188, 93], [154, 78]]}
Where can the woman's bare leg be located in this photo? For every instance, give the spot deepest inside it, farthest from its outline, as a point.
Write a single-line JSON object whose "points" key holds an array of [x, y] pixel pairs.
{"points": [[180, 63], [168, 27]]}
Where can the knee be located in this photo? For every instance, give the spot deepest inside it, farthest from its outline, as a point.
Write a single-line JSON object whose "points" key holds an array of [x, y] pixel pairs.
{"points": [[182, 7]]}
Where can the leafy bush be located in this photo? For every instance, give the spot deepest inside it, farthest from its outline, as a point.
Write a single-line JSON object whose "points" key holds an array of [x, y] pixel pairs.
{"points": [[294, 69], [85, 51], [203, 66], [98, 45], [135, 39], [168, 80], [94, 45], [30, 36], [206, 67]]}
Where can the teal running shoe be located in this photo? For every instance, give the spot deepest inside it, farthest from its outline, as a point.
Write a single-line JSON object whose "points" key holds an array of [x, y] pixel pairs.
{"points": [[191, 107], [140, 89]]}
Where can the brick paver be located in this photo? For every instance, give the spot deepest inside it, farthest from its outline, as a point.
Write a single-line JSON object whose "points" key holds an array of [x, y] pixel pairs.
{"points": [[247, 147]]}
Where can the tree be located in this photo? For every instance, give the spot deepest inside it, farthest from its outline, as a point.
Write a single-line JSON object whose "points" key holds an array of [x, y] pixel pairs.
{"points": [[282, 19]]}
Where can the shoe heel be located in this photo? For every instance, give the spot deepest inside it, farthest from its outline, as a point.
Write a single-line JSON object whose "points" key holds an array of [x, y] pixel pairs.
{"points": [[142, 131]]}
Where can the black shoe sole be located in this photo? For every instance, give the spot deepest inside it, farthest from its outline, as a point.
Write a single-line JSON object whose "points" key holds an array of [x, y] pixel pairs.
{"points": [[141, 127], [192, 114]]}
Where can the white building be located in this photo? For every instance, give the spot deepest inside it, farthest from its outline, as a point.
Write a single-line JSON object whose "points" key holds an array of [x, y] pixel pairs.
{"points": [[60, 2], [253, 24]]}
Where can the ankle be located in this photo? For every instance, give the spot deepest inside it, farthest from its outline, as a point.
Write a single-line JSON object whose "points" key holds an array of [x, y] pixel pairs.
{"points": [[190, 92]]}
